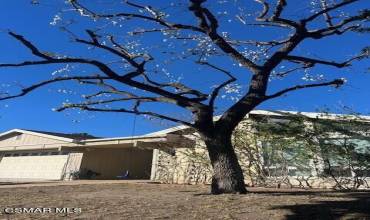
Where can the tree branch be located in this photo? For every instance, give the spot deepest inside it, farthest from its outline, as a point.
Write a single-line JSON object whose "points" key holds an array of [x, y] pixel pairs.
{"points": [[209, 24], [328, 18], [124, 54], [126, 79], [337, 29], [82, 9], [216, 91], [29, 45], [336, 82], [136, 112], [311, 62], [285, 73], [327, 9], [115, 91], [278, 9], [275, 17], [135, 98], [265, 9], [29, 89], [184, 90]]}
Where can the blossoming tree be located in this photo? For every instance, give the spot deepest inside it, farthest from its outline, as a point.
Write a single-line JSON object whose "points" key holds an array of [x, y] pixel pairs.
{"points": [[210, 41]]}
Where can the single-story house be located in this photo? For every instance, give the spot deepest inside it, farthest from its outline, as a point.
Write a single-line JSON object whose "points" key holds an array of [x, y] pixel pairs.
{"points": [[40, 155], [174, 155]]}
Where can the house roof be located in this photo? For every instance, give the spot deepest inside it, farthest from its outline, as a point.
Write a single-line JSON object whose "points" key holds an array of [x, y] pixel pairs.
{"points": [[74, 136], [168, 130], [319, 115], [53, 135], [329, 116]]}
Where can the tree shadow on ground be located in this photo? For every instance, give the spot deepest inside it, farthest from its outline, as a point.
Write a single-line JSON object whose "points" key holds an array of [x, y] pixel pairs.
{"points": [[313, 192], [352, 205], [318, 204], [357, 209]]}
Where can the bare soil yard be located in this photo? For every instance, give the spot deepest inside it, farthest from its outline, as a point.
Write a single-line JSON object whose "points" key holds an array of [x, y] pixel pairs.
{"points": [[121, 200]]}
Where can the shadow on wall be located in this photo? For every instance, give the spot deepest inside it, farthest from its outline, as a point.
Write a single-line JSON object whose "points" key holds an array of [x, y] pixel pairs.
{"points": [[357, 206]]}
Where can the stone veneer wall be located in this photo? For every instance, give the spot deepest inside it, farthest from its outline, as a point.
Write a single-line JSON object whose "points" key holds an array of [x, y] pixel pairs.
{"points": [[191, 166], [183, 165]]}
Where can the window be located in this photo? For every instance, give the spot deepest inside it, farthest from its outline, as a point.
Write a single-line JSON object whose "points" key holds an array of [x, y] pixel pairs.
{"points": [[7, 155], [44, 153], [347, 157], [284, 158], [35, 154], [54, 153], [24, 154]]}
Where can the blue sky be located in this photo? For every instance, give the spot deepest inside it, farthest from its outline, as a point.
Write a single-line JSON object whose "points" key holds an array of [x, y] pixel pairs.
{"points": [[34, 111]]}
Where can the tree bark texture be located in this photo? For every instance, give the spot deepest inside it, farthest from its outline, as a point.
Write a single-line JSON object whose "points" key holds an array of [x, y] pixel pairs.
{"points": [[227, 174]]}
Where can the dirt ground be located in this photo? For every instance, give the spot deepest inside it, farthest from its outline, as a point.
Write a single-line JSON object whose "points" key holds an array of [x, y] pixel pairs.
{"points": [[122, 200]]}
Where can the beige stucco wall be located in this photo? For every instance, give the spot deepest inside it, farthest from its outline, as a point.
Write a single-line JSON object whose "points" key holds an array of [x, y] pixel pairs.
{"points": [[26, 139], [113, 162], [73, 164]]}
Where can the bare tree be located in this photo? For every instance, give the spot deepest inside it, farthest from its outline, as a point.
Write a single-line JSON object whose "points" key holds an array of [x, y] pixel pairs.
{"points": [[132, 77]]}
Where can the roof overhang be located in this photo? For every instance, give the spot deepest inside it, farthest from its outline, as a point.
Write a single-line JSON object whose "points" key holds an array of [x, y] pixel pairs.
{"points": [[146, 141], [149, 142]]}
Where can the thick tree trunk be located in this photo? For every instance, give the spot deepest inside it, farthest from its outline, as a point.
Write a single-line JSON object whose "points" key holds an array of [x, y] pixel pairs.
{"points": [[227, 174]]}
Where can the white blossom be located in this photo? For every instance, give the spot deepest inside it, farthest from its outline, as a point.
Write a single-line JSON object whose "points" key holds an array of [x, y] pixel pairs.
{"points": [[56, 19]]}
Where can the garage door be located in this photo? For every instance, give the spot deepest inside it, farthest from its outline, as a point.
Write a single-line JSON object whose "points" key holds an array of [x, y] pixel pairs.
{"points": [[47, 167]]}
